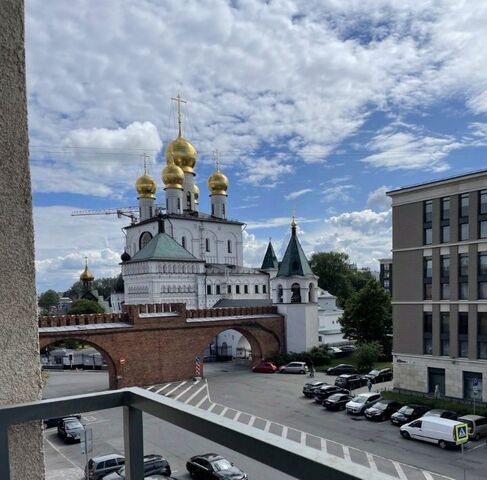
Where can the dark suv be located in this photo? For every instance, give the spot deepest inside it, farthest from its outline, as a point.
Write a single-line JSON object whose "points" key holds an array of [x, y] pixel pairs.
{"points": [[407, 414], [310, 388], [339, 369], [325, 391], [378, 376], [153, 465], [70, 429], [350, 382], [382, 410]]}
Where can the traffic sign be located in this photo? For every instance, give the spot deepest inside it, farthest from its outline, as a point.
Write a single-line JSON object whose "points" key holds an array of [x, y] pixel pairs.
{"points": [[461, 433], [122, 360]]}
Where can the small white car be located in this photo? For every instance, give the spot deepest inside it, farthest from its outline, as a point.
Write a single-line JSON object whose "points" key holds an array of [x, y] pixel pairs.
{"points": [[361, 402], [294, 367]]}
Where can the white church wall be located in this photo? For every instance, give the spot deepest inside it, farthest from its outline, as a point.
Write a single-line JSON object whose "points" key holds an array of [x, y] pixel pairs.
{"points": [[301, 325]]}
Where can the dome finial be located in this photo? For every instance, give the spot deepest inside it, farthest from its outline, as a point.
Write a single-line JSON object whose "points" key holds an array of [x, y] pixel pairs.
{"points": [[86, 276], [293, 223], [179, 100], [218, 182], [216, 156]]}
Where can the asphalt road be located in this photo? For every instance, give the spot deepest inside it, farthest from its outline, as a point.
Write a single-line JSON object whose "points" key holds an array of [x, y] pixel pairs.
{"points": [[274, 397]]}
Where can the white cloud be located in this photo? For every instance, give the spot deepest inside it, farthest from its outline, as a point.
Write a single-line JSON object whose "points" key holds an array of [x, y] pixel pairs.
{"points": [[339, 193], [277, 222], [265, 172], [378, 200], [298, 193]]}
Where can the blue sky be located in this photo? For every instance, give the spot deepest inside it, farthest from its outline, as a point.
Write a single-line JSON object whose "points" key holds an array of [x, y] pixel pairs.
{"points": [[321, 106]]}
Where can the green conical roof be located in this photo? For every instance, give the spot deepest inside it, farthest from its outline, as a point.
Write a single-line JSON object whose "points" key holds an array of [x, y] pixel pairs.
{"points": [[163, 247], [270, 259], [294, 261]]}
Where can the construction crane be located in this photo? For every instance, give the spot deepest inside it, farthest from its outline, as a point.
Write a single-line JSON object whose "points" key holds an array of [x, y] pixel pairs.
{"points": [[130, 212]]}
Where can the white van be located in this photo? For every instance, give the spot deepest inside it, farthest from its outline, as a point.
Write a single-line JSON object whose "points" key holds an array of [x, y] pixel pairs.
{"points": [[440, 431]]}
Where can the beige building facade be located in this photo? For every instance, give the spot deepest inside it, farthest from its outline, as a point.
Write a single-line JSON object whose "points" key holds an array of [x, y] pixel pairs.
{"points": [[440, 286]]}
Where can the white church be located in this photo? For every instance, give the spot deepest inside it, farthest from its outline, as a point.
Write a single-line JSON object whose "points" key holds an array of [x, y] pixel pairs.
{"points": [[182, 255]]}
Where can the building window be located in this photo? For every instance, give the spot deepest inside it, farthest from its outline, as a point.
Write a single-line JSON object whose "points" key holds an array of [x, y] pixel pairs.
{"points": [[218, 291], [179, 204], [482, 334], [469, 391], [463, 291], [280, 298], [237, 289], [188, 200], [208, 289], [483, 290], [428, 236], [445, 291], [436, 380], [256, 288], [229, 289], [445, 267], [463, 334], [464, 204], [463, 265], [445, 208], [427, 333], [264, 288], [229, 246], [428, 291], [444, 333], [223, 210], [483, 202], [246, 289], [463, 233], [386, 283], [483, 229], [295, 293], [183, 242], [428, 211], [207, 244], [427, 268], [445, 234]]}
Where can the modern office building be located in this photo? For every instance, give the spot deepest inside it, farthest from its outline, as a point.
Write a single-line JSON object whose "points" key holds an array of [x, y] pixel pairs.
{"points": [[385, 274], [440, 286]]}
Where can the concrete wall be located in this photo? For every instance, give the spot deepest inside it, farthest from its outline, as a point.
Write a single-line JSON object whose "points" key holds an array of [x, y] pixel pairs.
{"points": [[20, 378]]}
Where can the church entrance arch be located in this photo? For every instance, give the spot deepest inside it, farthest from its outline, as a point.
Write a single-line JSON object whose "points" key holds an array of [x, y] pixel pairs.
{"points": [[94, 357]]}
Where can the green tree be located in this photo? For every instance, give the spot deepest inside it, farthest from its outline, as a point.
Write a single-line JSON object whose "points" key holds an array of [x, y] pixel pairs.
{"points": [[47, 300], [367, 316], [85, 306], [104, 286], [335, 274], [367, 354]]}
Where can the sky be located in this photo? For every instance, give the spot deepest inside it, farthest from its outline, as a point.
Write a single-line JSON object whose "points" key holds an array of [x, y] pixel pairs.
{"points": [[317, 105]]}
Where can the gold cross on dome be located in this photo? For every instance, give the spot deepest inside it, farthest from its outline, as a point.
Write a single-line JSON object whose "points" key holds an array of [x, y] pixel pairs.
{"points": [[216, 156], [179, 100], [145, 157]]}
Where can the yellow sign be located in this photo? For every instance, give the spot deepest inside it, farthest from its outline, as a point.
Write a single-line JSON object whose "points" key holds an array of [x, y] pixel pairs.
{"points": [[461, 433]]}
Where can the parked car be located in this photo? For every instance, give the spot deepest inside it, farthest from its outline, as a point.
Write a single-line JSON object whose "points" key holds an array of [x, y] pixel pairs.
{"points": [[350, 382], [340, 369], [70, 429], [382, 410], [407, 414], [325, 391], [100, 466], [477, 426], [360, 403], [294, 367], [54, 421], [432, 429], [436, 412], [335, 351], [213, 467], [153, 465], [265, 367], [310, 387], [337, 401], [378, 376]]}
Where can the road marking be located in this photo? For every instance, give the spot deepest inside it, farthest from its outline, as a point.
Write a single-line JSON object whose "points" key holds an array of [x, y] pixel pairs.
{"points": [[163, 388], [222, 413], [303, 438], [252, 420], [62, 454], [346, 453], [371, 460], [428, 476], [150, 388], [89, 418], [213, 405], [183, 392], [194, 394], [399, 470], [267, 425], [174, 389], [237, 416], [284, 432], [201, 401]]}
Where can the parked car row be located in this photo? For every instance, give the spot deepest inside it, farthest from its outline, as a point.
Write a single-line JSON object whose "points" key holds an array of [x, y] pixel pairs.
{"points": [[269, 367], [375, 376], [415, 421]]}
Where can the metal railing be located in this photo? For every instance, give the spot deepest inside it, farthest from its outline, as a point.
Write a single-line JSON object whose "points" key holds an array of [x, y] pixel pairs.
{"points": [[290, 457]]}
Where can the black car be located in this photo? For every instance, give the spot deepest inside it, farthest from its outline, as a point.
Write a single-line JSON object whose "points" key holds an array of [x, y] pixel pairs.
{"points": [[340, 369], [408, 413], [442, 414], [211, 466], [153, 465], [70, 429], [378, 376], [310, 387], [382, 410], [325, 391], [336, 401], [350, 382], [54, 421]]}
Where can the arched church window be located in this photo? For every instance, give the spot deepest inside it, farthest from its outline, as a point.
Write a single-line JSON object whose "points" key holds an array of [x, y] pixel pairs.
{"points": [[223, 210], [179, 205], [279, 294], [229, 246], [212, 209], [207, 244], [295, 293], [188, 200], [183, 242], [311, 293]]}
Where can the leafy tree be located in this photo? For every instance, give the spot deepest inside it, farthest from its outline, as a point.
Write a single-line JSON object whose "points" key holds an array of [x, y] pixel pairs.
{"points": [[47, 300], [367, 316], [367, 354], [85, 306]]}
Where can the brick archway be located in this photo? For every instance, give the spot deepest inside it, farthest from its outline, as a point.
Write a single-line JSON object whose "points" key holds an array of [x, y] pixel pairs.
{"points": [[113, 374]]}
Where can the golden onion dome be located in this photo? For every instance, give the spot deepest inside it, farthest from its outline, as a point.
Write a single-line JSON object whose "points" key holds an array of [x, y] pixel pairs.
{"points": [[196, 193], [86, 275], [218, 183], [183, 153], [146, 186], [172, 175]]}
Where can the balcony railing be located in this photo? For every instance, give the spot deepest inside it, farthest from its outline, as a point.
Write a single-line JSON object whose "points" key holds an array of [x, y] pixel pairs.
{"points": [[287, 456]]}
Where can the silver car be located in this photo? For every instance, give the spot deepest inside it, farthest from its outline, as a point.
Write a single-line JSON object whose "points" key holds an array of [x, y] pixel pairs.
{"points": [[294, 367]]}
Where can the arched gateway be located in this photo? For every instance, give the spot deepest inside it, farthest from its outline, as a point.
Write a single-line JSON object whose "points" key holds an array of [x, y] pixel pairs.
{"points": [[151, 344]]}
